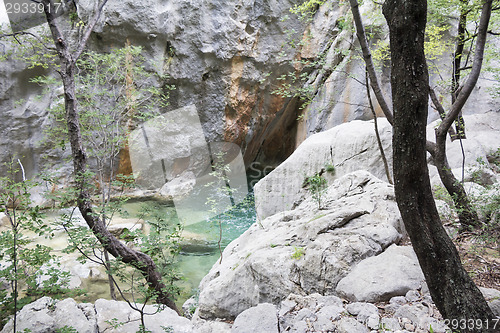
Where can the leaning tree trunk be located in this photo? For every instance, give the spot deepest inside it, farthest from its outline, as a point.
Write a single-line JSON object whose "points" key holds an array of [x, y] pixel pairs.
{"points": [[115, 247], [451, 288]]}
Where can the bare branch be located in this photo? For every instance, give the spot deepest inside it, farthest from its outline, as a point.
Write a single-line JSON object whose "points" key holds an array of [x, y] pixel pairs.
{"points": [[21, 33], [90, 27]]}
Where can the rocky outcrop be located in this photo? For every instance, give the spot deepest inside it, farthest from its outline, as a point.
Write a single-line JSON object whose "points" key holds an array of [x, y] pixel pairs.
{"points": [[305, 250], [480, 147], [224, 58], [413, 312], [217, 55], [347, 147], [353, 146], [317, 313], [49, 315]]}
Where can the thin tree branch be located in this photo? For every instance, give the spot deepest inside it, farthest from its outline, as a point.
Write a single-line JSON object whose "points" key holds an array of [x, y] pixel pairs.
{"points": [[360, 31], [90, 27], [21, 33], [474, 75], [440, 109]]}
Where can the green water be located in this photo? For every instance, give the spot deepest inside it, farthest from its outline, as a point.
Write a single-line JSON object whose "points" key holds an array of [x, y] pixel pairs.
{"points": [[200, 238]]}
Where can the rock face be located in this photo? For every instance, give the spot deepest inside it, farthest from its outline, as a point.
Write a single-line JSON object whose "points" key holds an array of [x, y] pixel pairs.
{"points": [[225, 58], [483, 140], [216, 55], [305, 250]]}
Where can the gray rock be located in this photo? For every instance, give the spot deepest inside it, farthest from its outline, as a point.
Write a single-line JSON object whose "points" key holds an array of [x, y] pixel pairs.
{"points": [[349, 147], [366, 313], [390, 324], [482, 138], [324, 324], [331, 312], [109, 310], [412, 295], [379, 278], [351, 325], [305, 314], [286, 306], [205, 326], [180, 186], [47, 315], [361, 308], [495, 307], [490, 294], [262, 318], [493, 298], [419, 316], [373, 321], [398, 300], [262, 265], [216, 54]]}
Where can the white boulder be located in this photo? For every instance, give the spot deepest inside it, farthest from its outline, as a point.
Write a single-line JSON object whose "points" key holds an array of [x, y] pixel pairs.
{"points": [[305, 250]]}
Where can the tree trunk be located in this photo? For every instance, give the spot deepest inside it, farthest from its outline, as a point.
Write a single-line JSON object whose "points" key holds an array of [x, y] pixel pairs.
{"points": [[466, 213], [110, 243], [452, 290]]}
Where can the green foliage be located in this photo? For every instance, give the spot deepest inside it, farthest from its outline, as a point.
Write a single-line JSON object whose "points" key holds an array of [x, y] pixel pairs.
{"points": [[114, 323], [330, 168], [381, 52], [66, 329], [298, 252], [317, 185], [307, 8], [114, 91], [29, 269], [486, 203]]}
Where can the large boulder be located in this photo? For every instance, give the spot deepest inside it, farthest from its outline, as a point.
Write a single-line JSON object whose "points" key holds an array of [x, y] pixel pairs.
{"points": [[47, 315], [107, 311], [305, 250], [353, 146], [375, 279], [347, 147], [483, 140], [261, 318]]}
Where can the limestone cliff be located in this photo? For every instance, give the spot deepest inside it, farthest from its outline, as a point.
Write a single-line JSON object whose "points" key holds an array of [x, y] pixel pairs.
{"points": [[226, 58]]}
